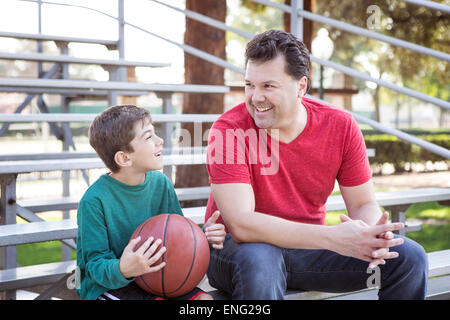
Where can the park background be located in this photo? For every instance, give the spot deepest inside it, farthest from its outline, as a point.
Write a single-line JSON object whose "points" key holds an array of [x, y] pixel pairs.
{"points": [[396, 165]]}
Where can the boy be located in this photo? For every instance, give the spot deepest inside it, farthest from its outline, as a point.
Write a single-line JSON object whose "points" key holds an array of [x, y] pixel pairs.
{"points": [[118, 202]]}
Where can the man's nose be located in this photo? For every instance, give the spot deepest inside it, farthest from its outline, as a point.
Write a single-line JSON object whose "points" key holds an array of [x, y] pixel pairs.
{"points": [[258, 97]]}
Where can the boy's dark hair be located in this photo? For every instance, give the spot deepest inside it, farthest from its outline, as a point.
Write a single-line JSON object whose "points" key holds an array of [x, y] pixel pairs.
{"points": [[113, 130], [267, 45]]}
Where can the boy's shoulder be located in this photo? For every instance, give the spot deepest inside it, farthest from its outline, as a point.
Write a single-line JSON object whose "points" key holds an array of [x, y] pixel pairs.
{"points": [[102, 186], [96, 190]]}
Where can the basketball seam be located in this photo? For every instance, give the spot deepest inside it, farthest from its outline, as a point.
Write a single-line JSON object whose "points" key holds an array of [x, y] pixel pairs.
{"points": [[163, 256], [142, 278], [193, 257]]}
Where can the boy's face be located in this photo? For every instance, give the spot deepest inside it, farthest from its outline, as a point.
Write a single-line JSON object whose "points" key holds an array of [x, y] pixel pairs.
{"points": [[147, 146]]}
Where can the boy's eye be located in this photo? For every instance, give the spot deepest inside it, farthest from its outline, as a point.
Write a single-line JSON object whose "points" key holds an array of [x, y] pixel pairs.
{"points": [[148, 137]]}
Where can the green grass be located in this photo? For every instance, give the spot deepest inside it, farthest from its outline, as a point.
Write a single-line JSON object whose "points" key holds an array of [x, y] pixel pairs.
{"points": [[42, 252], [433, 237]]}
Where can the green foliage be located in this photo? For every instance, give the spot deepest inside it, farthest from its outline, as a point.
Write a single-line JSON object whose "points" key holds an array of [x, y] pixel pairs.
{"points": [[415, 24], [390, 149], [432, 237]]}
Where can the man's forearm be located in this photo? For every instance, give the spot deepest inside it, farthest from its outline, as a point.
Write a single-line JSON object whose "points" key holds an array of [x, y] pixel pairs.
{"points": [[370, 213], [260, 227]]}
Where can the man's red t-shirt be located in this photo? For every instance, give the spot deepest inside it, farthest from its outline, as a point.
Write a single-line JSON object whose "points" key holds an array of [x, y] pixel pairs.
{"points": [[294, 180]]}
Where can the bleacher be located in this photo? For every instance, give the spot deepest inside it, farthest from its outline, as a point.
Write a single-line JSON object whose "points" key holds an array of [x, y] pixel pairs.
{"points": [[14, 277]]}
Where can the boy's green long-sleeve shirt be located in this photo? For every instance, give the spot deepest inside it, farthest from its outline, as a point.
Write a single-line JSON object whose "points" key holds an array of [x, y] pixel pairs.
{"points": [[108, 214]]}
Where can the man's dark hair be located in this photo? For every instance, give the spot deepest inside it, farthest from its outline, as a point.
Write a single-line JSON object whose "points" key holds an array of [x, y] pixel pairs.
{"points": [[113, 130], [268, 45]]}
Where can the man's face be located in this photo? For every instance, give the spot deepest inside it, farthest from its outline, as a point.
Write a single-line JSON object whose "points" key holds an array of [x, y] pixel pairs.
{"points": [[272, 96]]}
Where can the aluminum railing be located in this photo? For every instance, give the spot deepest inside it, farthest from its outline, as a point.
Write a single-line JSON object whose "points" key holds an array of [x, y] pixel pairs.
{"points": [[297, 16]]}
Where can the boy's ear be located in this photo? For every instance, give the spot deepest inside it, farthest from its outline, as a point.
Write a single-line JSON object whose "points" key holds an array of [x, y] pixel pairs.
{"points": [[122, 159]]}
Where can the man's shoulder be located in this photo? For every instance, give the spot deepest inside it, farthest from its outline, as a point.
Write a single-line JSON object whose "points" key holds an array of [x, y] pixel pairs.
{"points": [[326, 112]]}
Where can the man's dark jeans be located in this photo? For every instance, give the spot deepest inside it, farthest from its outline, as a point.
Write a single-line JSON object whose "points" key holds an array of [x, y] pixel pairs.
{"points": [[254, 271]]}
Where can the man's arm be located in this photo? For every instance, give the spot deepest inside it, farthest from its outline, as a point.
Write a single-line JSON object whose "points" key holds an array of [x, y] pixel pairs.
{"points": [[354, 238], [361, 203], [236, 203]]}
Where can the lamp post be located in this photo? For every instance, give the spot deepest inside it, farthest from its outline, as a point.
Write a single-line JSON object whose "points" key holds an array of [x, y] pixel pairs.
{"points": [[322, 47]]}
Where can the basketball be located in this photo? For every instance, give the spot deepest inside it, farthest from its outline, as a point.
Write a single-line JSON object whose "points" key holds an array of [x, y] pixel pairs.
{"points": [[186, 257]]}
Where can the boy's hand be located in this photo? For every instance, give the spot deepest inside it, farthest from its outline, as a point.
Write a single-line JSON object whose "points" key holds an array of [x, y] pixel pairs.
{"points": [[136, 263], [215, 232]]}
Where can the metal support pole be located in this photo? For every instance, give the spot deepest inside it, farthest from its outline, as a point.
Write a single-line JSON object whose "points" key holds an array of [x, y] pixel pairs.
{"points": [[167, 108], [122, 76], [66, 252], [296, 20], [321, 83], [398, 214], [8, 209], [39, 43]]}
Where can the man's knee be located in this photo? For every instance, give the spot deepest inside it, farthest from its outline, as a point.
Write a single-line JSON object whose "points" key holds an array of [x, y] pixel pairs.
{"points": [[260, 272], [413, 256]]}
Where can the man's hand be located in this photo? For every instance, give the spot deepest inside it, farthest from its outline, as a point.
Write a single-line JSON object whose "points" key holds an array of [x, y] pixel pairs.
{"points": [[356, 239], [135, 263], [215, 232]]}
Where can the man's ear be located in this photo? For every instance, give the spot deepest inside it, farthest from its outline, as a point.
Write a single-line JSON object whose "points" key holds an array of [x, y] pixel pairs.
{"points": [[122, 159], [302, 86]]}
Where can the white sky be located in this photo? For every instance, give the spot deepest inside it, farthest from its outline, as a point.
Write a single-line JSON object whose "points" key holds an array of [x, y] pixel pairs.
{"points": [[21, 16]]}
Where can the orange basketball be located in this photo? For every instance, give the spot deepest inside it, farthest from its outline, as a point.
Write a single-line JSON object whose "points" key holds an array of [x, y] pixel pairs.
{"points": [[186, 257]]}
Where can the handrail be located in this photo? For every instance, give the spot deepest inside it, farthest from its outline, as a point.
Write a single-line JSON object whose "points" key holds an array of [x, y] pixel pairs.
{"points": [[338, 24], [344, 69], [404, 90], [360, 31], [207, 20], [225, 64], [434, 148], [430, 4]]}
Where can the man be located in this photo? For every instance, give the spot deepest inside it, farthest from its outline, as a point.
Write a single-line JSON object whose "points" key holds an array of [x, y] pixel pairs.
{"points": [[273, 162]]}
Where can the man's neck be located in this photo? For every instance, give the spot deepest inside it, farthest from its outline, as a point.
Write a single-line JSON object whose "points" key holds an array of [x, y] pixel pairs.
{"points": [[293, 129]]}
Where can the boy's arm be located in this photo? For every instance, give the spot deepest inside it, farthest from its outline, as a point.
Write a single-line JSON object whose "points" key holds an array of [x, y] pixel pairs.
{"points": [[102, 265], [172, 199]]}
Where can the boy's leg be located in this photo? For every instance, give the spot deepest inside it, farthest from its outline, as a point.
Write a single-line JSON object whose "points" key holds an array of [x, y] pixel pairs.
{"points": [[404, 277], [248, 270]]}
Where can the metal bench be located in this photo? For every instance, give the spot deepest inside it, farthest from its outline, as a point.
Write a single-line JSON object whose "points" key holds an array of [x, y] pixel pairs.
{"points": [[41, 57], [438, 285], [110, 44]]}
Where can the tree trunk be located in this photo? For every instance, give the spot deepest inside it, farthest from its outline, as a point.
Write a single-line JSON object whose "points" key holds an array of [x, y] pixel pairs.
{"points": [[376, 101], [308, 26], [199, 71]]}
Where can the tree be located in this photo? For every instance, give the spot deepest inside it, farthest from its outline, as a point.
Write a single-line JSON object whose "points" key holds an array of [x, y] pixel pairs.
{"points": [[199, 71], [397, 19], [254, 18]]}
